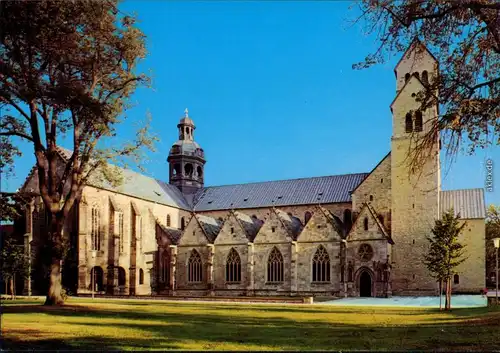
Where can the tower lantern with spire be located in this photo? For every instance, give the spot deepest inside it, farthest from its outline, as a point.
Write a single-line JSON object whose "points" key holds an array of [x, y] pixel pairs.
{"points": [[186, 159]]}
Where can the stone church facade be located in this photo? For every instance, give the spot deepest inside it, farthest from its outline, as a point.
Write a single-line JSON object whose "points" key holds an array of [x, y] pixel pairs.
{"points": [[344, 235]]}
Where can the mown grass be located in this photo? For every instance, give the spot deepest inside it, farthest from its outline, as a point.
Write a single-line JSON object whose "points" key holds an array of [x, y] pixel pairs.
{"points": [[102, 324]]}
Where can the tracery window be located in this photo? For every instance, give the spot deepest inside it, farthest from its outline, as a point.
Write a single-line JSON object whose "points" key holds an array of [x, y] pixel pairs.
{"points": [[365, 252], [120, 230], [233, 267], [321, 266], [96, 229], [275, 266], [195, 273]]}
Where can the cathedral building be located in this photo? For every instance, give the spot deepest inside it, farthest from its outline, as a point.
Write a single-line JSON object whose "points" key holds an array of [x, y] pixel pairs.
{"points": [[344, 235]]}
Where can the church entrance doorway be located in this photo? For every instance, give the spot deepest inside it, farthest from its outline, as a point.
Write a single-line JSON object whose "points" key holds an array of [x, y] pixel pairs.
{"points": [[365, 284]]}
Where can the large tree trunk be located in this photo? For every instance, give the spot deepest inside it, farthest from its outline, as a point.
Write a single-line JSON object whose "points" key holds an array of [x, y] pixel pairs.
{"points": [[54, 256], [54, 295]]}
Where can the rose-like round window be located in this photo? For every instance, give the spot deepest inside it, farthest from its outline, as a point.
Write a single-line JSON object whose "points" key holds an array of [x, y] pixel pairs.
{"points": [[365, 252]]}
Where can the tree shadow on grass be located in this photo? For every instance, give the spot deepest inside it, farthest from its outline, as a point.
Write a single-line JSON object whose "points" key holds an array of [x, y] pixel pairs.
{"points": [[169, 330]]}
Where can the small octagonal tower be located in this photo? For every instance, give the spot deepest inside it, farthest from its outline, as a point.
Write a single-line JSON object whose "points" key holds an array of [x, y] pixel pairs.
{"points": [[186, 159]]}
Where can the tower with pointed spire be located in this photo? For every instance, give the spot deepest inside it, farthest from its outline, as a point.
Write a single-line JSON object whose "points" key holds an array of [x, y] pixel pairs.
{"points": [[186, 159]]}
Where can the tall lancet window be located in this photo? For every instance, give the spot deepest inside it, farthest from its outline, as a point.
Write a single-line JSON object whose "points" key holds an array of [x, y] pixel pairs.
{"points": [[233, 267], [95, 232], [408, 123], [321, 266], [275, 266], [418, 121], [195, 273]]}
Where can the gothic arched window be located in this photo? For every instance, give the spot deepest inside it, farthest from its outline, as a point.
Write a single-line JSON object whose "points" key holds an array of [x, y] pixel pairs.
{"points": [[425, 77], [233, 267], [307, 217], [195, 273], [407, 77], [350, 273], [342, 278], [365, 223], [121, 276], [119, 220], [275, 266], [183, 223], [141, 276], [168, 220], [321, 266], [418, 121], [408, 123], [95, 229], [456, 279]]}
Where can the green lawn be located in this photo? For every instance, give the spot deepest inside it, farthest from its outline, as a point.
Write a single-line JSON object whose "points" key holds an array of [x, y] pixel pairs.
{"points": [[139, 324]]}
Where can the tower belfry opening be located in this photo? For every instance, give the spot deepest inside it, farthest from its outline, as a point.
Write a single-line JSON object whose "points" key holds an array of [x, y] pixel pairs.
{"points": [[186, 159]]}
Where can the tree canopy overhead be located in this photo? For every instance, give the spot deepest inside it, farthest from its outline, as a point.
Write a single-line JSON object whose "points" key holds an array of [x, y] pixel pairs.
{"points": [[67, 71], [464, 36]]}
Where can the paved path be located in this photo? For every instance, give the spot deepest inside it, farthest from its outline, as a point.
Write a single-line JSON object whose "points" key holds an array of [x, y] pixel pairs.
{"points": [[457, 301]]}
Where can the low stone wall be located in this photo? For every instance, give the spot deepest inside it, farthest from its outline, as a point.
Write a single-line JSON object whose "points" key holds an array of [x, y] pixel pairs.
{"points": [[283, 299]]}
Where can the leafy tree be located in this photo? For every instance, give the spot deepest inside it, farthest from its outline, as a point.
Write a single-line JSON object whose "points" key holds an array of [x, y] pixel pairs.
{"points": [[465, 38], [14, 263], [492, 231], [445, 251], [67, 71]]}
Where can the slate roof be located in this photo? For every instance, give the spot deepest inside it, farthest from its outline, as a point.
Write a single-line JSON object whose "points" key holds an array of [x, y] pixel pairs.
{"points": [[250, 225], [468, 202], [173, 233], [337, 224], [142, 186], [292, 224], [327, 189], [210, 226]]}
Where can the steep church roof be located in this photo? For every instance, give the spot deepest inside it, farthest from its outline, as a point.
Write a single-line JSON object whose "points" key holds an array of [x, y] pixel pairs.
{"points": [[304, 191], [141, 186], [292, 224], [211, 227], [250, 225]]}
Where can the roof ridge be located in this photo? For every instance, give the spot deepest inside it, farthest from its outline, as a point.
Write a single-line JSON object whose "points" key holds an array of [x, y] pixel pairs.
{"points": [[280, 180]]}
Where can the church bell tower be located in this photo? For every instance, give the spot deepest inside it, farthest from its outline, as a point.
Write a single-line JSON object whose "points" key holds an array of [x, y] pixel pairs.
{"points": [[414, 194], [186, 159]]}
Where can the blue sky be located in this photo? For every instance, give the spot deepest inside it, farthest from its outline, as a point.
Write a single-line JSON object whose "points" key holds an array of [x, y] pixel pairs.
{"points": [[272, 92]]}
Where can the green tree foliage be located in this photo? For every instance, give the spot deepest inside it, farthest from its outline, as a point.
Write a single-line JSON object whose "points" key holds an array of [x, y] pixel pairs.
{"points": [[492, 231], [14, 263], [464, 35], [445, 251], [67, 71]]}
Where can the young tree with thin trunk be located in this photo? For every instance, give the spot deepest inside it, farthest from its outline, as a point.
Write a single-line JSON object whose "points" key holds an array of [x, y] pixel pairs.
{"points": [[67, 71], [445, 253], [492, 231], [14, 263], [464, 36]]}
